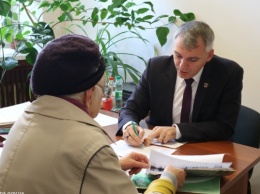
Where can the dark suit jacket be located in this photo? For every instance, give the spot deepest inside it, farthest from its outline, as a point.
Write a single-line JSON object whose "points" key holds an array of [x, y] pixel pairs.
{"points": [[216, 103]]}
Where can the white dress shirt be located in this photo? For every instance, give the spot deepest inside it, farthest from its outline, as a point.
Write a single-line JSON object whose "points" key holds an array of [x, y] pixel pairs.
{"points": [[178, 96]]}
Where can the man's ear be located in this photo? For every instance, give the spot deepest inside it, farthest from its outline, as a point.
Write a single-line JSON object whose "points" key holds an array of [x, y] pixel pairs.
{"points": [[88, 96], [210, 55]]}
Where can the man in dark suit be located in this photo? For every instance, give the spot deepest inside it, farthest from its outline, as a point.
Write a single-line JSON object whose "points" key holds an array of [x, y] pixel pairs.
{"points": [[215, 98]]}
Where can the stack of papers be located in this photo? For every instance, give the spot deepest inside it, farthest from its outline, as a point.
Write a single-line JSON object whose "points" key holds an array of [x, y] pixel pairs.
{"points": [[198, 165], [9, 115], [105, 120], [121, 148]]}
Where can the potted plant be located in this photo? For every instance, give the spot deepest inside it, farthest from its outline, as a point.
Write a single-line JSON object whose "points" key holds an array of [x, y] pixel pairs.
{"points": [[33, 34]]}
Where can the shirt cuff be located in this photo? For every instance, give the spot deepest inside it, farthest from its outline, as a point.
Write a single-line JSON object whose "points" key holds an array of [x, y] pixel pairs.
{"points": [[170, 177], [178, 133], [126, 125]]}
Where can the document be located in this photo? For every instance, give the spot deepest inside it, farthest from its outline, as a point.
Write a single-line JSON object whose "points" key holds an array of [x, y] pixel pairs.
{"points": [[8, 115], [121, 148], [170, 144], [105, 120], [198, 166], [204, 181]]}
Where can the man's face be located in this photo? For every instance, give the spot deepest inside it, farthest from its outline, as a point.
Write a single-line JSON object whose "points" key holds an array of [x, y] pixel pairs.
{"points": [[189, 62]]}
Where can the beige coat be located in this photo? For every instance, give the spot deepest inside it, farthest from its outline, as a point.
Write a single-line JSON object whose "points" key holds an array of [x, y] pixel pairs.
{"points": [[55, 147]]}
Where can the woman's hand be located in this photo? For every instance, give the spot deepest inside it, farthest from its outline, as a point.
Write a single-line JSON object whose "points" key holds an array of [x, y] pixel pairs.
{"points": [[134, 162]]}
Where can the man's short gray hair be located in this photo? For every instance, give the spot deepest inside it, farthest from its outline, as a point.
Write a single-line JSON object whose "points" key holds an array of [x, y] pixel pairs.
{"points": [[191, 31]]}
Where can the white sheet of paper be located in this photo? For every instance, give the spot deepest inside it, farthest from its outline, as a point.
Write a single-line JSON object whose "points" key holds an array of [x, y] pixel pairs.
{"points": [[159, 161], [9, 115], [105, 120], [210, 158], [121, 148], [170, 144]]}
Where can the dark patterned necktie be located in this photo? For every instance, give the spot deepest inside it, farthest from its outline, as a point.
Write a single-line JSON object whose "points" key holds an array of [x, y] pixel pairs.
{"points": [[186, 102]]}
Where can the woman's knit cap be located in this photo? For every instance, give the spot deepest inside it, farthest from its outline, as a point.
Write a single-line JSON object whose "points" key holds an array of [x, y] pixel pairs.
{"points": [[67, 65]]}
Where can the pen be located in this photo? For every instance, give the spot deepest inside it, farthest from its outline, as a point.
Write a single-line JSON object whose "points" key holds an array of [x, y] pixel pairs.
{"points": [[133, 125]]}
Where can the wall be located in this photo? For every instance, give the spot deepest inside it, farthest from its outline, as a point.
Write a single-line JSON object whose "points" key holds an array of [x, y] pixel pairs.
{"points": [[236, 24]]}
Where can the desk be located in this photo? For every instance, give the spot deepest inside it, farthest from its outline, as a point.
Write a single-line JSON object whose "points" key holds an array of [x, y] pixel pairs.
{"points": [[243, 158]]}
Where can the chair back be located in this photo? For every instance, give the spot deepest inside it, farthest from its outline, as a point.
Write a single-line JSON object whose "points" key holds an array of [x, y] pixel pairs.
{"points": [[14, 88], [247, 131]]}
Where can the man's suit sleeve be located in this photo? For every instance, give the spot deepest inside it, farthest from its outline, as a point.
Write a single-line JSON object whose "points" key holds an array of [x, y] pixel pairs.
{"points": [[136, 107]]}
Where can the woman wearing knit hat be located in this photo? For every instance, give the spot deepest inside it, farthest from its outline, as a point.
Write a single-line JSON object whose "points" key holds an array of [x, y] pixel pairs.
{"points": [[56, 146]]}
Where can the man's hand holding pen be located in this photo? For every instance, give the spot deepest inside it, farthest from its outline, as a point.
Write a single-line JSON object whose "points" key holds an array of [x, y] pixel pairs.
{"points": [[133, 135]]}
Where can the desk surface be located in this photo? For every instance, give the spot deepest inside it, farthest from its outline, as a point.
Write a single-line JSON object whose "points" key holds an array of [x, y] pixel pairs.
{"points": [[243, 158]]}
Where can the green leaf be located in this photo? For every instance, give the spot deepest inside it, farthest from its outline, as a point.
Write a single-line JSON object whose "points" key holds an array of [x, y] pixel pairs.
{"points": [[121, 20], [141, 27], [172, 19], [31, 57], [150, 4], [94, 12], [118, 3], [44, 4], [65, 16], [94, 16], [132, 15], [142, 10], [187, 17], [5, 7], [148, 17], [130, 4], [103, 13], [22, 1], [94, 21], [8, 21], [64, 6], [22, 48], [9, 63], [9, 37], [190, 16], [162, 33], [177, 12], [19, 36], [15, 16]]}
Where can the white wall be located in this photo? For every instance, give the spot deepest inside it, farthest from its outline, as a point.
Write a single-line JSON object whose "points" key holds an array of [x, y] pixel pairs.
{"points": [[236, 24]]}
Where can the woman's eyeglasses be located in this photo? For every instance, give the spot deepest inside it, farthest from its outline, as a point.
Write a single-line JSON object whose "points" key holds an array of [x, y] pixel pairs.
{"points": [[107, 91]]}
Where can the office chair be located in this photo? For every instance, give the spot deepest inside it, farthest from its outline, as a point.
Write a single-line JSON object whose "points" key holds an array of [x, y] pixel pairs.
{"points": [[247, 132]]}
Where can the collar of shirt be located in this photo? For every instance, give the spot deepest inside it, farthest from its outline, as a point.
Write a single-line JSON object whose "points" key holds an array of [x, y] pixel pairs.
{"points": [[75, 102], [196, 78]]}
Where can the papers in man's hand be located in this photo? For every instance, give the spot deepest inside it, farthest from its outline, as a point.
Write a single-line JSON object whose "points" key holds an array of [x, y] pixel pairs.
{"points": [[121, 148], [8, 115], [205, 165]]}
